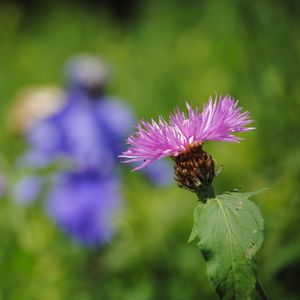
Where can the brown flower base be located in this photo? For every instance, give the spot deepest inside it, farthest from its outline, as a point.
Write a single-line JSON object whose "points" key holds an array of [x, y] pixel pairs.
{"points": [[194, 168]]}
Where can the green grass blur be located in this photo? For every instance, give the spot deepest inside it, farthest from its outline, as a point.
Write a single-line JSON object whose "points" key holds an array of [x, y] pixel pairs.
{"points": [[168, 52]]}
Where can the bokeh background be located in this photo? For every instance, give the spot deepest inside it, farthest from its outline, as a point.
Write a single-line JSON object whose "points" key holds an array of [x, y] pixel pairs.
{"points": [[163, 53]]}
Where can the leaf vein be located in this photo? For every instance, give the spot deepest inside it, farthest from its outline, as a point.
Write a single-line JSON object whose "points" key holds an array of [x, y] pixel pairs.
{"points": [[230, 241]]}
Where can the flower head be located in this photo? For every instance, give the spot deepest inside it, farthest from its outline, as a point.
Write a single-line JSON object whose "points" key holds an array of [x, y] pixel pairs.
{"points": [[218, 121]]}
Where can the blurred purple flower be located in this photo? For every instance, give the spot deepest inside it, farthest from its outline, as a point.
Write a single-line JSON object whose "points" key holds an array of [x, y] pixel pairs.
{"points": [[217, 122], [84, 206], [89, 133], [76, 134]]}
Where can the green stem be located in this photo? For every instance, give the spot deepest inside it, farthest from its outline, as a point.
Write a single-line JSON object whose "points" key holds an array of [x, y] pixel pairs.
{"points": [[206, 192], [260, 291]]}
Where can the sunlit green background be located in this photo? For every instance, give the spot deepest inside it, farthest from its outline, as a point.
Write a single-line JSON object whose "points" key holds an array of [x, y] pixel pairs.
{"points": [[163, 52]]}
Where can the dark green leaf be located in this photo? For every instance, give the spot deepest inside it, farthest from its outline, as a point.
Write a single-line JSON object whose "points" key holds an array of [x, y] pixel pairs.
{"points": [[230, 230]]}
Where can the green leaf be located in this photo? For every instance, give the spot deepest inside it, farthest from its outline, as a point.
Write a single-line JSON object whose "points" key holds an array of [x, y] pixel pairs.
{"points": [[230, 230]]}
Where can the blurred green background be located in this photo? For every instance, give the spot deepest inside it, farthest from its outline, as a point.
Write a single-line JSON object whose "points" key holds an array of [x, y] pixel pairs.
{"points": [[164, 52]]}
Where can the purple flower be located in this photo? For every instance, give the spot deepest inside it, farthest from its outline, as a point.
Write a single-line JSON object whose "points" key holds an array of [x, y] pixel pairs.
{"points": [[217, 122], [84, 205], [86, 132]]}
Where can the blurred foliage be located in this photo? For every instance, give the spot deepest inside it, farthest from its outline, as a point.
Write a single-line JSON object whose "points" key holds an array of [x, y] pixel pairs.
{"points": [[170, 52]]}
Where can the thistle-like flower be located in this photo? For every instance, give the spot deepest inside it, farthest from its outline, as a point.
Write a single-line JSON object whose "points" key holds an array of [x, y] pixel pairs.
{"points": [[183, 136]]}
